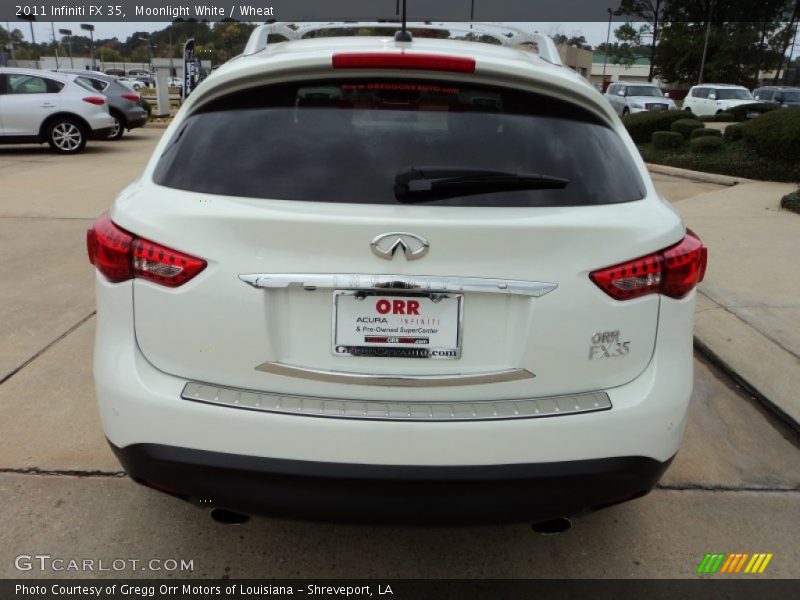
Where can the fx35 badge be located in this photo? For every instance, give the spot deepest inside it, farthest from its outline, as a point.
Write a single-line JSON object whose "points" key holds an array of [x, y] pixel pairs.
{"points": [[608, 344]]}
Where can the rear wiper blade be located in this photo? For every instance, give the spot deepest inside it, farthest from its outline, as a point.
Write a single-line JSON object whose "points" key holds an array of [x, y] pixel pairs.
{"points": [[451, 182]]}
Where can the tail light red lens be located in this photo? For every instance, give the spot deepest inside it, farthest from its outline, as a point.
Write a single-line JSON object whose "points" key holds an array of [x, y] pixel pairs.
{"points": [[673, 272], [120, 256], [131, 97], [96, 100], [402, 60]]}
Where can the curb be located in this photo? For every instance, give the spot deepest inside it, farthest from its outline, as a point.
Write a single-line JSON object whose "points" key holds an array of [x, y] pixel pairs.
{"points": [[696, 175], [766, 371]]}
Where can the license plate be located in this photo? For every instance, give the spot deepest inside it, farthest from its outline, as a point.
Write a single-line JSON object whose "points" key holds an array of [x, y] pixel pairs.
{"points": [[401, 326]]}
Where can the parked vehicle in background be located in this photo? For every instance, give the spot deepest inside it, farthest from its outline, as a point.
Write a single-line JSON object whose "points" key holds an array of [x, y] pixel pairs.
{"points": [[124, 105], [175, 82], [310, 321], [42, 106], [627, 97], [785, 97], [131, 83], [713, 98]]}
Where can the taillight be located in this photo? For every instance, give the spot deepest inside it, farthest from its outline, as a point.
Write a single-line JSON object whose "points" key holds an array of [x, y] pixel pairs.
{"points": [[402, 60], [120, 256], [673, 272], [131, 97], [96, 100]]}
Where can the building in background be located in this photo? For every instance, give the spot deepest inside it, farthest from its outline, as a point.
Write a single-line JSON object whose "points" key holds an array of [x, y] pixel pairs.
{"points": [[577, 59]]}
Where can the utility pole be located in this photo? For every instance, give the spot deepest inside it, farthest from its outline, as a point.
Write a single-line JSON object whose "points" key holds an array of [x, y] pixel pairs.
{"points": [[705, 43], [30, 19]]}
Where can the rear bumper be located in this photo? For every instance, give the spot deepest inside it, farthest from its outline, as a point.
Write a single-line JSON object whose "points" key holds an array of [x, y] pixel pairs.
{"points": [[100, 134], [136, 118], [392, 494]]}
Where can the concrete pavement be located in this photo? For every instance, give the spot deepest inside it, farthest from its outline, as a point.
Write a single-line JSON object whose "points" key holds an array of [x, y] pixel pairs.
{"points": [[748, 314], [733, 487]]}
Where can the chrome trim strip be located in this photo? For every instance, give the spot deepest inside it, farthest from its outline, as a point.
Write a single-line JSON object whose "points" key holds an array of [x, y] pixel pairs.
{"points": [[487, 410], [414, 283], [279, 368]]}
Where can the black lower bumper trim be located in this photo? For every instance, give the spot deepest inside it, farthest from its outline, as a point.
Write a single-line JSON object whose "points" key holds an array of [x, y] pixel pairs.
{"points": [[390, 494]]}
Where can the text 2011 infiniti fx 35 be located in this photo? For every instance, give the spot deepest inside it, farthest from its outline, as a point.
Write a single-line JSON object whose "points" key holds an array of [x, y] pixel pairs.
{"points": [[423, 281]]}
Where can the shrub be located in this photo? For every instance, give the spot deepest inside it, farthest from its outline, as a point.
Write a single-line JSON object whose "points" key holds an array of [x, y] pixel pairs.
{"points": [[740, 112], [705, 144], [641, 126], [775, 135], [707, 118], [704, 131], [791, 201], [667, 139], [733, 132], [148, 107], [734, 158], [724, 117], [686, 126]]}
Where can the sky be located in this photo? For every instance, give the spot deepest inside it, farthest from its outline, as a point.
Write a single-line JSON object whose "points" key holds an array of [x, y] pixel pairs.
{"points": [[595, 33]]}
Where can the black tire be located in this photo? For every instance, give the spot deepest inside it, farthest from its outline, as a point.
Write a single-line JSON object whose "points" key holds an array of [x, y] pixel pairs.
{"points": [[66, 135], [626, 111], [118, 130]]}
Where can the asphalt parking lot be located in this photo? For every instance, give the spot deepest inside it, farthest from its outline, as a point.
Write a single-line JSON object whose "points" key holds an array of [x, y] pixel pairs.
{"points": [[734, 486]]}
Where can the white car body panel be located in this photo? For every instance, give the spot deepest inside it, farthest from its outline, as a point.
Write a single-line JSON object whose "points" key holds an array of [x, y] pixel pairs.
{"points": [[216, 329]]}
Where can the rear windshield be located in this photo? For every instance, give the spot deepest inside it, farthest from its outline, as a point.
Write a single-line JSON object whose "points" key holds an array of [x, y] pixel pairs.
{"points": [[347, 141]]}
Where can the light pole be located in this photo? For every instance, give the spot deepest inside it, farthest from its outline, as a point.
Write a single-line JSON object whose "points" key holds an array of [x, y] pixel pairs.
{"points": [[611, 13], [90, 29], [30, 19], [55, 43], [149, 49], [68, 33]]}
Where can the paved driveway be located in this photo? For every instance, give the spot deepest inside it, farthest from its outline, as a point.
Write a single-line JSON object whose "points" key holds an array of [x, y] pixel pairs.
{"points": [[732, 488]]}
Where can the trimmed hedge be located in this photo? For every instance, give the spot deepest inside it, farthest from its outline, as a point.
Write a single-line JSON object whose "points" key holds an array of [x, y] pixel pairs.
{"points": [[733, 132], [667, 139], [791, 202], [734, 158], [641, 126], [707, 118], [686, 126], [724, 117], [148, 107], [705, 132], [775, 135], [740, 112], [705, 144]]}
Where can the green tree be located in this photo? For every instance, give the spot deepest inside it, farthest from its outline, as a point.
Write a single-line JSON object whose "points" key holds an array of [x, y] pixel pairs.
{"points": [[628, 48], [651, 12]]}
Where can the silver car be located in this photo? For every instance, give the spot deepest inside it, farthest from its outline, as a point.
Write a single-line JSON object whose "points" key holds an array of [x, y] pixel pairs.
{"points": [[124, 105], [628, 97]]}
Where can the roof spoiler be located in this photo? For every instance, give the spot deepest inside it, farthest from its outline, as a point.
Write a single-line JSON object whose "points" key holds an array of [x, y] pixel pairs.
{"points": [[510, 36]]}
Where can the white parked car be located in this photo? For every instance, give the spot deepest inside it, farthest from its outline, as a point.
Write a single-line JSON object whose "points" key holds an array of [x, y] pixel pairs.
{"points": [[424, 281], [131, 83], [42, 106], [627, 97], [712, 98]]}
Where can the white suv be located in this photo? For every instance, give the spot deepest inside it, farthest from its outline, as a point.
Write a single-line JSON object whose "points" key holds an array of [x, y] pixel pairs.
{"points": [[627, 97], [424, 281], [42, 106], [711, 98]]}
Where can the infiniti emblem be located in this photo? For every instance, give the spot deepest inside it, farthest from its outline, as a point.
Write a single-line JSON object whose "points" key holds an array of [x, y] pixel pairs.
{"points": [[386, 244]]}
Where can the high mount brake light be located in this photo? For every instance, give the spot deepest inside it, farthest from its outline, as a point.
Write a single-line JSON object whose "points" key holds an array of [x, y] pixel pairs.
{"points": [[96, 100], [120, 256], [673, 272], [403, 60]]}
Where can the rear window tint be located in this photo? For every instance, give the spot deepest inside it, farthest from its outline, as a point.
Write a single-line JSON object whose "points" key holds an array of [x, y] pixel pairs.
{"points": [[345, 141]]}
